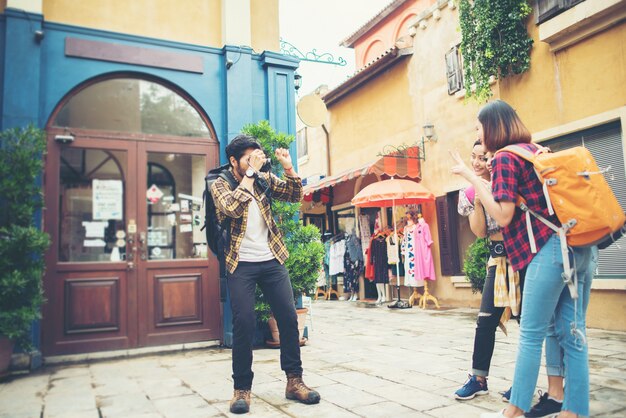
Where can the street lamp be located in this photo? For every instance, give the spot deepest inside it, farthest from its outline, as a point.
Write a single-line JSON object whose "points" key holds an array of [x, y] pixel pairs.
{"points": [[429, 131], [297, 81]]}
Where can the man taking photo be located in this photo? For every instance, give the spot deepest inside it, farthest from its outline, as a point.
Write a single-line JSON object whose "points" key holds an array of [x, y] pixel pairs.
{"points": [[255, 254]]}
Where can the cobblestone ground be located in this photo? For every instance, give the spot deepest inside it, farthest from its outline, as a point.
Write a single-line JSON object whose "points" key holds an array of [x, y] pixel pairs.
{"points": [[365, 361]]}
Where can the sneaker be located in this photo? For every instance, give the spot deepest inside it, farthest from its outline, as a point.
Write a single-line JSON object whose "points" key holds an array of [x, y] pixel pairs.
{"points": [[298, 391], [545, 408], [506, 396], [240, 403], [472, 388]]}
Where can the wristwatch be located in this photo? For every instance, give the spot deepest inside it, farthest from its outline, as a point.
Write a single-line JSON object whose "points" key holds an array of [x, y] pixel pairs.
{"points": [[251, 172]]}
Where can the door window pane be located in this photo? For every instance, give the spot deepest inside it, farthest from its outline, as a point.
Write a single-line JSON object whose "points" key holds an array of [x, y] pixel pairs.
{"points": [[132, 105], [91, 205], [174, 206]]}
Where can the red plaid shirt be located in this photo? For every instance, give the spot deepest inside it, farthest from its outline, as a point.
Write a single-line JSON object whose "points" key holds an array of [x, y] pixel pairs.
{"points": [[511, 176]]}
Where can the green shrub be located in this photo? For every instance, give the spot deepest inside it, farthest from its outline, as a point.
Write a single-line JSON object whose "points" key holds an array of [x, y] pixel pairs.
{"points": [[475, 263], [22, 243]]}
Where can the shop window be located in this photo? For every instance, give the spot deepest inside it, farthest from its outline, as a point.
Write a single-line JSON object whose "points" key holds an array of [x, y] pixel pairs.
{"points": [[454, 72], [455, 235], [302, 143], [132, 105], [547, 9], [605, 144], [344, 220], [318, 220]]}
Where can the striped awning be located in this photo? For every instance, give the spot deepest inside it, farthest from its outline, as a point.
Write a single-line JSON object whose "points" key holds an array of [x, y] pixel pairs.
{"points": [[393, 165]]}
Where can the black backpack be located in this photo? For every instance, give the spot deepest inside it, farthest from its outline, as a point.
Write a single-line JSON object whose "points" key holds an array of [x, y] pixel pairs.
{"points": [[217, 233]]}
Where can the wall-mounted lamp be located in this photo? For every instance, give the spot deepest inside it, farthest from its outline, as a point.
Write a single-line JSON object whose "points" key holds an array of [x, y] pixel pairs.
{"points": [[297, 81], [429, 132], [64, 139], [229, 63], [39, 35]]}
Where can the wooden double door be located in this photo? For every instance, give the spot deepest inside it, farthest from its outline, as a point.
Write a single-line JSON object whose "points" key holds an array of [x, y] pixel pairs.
{"points": [[127, 266]]}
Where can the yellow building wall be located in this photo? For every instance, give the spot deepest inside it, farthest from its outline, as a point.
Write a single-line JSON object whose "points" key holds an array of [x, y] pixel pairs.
{"points": [[193, 21], [264, 25], [196, 22], [379, 114], [454, 121], [577, 82], [582, 80]]}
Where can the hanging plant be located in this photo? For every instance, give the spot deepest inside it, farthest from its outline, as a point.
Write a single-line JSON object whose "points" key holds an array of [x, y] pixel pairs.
{"points": [[495, 42]]}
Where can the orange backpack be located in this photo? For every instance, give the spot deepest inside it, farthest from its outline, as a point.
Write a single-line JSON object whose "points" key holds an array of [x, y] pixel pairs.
{"points": [[577, 192]]}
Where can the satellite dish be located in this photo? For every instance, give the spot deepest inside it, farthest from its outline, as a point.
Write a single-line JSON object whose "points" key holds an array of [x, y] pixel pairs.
{"points": [[312, 110]]}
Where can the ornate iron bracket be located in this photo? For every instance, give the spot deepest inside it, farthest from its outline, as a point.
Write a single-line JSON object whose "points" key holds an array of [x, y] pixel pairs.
{"points": [[287, 48], [402, 151]]}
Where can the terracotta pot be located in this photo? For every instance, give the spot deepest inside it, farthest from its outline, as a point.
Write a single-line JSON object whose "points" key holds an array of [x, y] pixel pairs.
{"points": [[6, 350], [273, 326]]}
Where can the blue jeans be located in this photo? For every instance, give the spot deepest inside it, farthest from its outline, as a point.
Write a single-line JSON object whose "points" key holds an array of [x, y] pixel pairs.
{"points": [[546, 296], [554, 352]]}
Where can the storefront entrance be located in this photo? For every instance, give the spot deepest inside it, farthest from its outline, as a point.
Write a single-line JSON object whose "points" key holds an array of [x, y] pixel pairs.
{"points": [[127, 266]]}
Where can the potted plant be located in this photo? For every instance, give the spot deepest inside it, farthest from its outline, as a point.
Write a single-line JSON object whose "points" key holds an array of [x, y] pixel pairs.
{"points": [[22, 243], [475, 263], [303, 242]]}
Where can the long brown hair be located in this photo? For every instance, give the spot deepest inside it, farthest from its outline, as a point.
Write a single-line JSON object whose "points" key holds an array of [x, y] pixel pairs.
{"points": [[501, 126]]}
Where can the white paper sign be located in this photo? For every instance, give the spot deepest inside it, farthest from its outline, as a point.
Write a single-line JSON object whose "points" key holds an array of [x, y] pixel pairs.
{"points": [[108, 196], [186, 228], [94, 243], [94, 229]]}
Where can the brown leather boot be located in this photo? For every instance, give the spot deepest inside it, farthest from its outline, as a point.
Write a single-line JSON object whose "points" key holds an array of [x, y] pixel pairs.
{"points": [[240, 403], [297, 390]]}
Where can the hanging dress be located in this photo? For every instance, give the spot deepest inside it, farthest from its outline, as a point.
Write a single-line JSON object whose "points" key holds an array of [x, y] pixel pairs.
{"points": [[409, 251], [424, 265], [378, 249]]}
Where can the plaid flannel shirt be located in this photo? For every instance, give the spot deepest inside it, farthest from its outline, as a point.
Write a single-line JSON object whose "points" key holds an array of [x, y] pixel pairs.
{"points": [[511, 176], [234, 204]]}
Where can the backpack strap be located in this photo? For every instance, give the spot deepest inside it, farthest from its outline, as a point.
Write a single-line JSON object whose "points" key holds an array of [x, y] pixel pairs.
{"points": [[569, 275]]}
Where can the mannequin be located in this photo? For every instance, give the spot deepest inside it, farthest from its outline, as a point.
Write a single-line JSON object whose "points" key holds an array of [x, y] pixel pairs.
{"points": [[411, 278], [424, 265]]}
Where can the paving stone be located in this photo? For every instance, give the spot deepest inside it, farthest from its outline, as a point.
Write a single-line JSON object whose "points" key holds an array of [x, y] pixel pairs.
{"points": [[373, 362], [124, 405], [459, 410], [387, 409], [191, 406]]}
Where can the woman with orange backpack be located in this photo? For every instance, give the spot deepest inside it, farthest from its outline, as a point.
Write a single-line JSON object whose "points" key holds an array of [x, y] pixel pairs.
{"points": [[546, 296]]}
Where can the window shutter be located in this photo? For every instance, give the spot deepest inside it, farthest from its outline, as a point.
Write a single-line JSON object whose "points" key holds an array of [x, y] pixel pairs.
{"points": [[453, 70], [547, 9], [448, 248]]}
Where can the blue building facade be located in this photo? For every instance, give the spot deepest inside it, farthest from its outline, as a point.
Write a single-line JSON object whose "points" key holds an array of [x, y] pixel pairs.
{"points": [[143, 267]]}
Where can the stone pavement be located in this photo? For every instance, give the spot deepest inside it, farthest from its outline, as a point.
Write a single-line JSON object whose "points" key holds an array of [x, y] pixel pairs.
{"points": [[369, 362]]}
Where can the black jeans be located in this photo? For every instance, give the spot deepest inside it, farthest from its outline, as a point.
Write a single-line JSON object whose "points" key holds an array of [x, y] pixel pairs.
{"points": [[273, 279], [486, 325]]}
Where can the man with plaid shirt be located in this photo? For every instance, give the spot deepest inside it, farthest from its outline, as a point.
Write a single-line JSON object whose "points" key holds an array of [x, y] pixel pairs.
{"points": [[255, 254]]}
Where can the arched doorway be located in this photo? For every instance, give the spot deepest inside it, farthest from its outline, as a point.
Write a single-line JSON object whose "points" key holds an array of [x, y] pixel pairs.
{"points": [[124, 179]]}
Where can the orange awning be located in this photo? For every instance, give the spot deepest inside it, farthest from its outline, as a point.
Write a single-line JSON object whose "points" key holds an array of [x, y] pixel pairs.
{"points": [[405, 165]]}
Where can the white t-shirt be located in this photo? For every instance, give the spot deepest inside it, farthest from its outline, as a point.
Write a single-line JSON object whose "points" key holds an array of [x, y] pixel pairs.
{"points": [[255, 246]]}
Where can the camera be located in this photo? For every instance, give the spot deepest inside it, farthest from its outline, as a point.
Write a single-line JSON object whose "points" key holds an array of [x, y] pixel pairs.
{"points": [[266, 167]]}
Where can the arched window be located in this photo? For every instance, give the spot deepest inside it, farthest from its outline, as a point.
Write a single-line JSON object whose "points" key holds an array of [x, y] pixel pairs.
{"points": [[132, 105]]}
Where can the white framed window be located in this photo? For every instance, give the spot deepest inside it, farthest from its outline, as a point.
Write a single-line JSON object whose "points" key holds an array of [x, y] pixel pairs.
{"points": [[302, 143], [454, 70]]}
